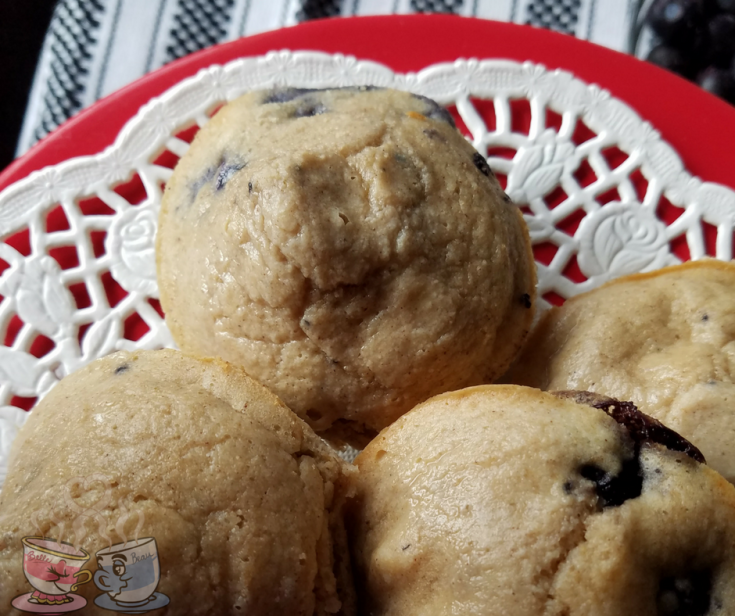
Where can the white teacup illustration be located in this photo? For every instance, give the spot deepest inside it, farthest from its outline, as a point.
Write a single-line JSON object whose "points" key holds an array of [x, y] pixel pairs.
{"points": [[129, 572], [53, 569]]}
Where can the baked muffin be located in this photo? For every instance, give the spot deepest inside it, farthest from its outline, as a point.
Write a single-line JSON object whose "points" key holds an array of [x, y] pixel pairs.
{"points": [[665, 340], [158, 449], [508, 501], [349, 249]]}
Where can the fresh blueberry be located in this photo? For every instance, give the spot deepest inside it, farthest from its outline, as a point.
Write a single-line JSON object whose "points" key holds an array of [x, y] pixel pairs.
{"points": [[721, 30], [672, 60], [709, 7], [673, 20], [697, 48], [685, 595], [719, 82]]}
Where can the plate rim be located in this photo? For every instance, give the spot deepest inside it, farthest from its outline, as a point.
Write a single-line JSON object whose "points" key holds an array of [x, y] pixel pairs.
{"points": [[452, 37], [44, 187], [527, 78]]}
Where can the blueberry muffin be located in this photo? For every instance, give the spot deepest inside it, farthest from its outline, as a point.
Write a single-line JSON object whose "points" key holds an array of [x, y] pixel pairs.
{"points": [[508, 501], [349, 249], [242, 499], [665, 340]]}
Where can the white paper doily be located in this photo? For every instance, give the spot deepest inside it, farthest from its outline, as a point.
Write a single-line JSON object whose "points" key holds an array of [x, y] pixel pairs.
{"points": [[590, 174]]}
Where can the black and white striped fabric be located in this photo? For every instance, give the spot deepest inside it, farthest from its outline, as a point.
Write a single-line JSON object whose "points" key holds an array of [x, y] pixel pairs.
{"points": [[94, 47], [560, 15]]}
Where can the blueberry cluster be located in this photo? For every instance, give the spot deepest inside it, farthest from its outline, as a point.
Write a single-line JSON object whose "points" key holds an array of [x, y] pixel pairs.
{"points": [[696, 41]]}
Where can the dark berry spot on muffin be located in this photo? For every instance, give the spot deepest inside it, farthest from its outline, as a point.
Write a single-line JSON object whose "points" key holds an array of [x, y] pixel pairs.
{"points": [[284, 95], [614, 490], [225, 172], [640, 427], [687, 595], [250, 187], [309, 108], [482, 165], [203, 179], [507, 199], [705, 317], [122, 368], [432, 133], [526, 300], [568, 487], [405, 547], [305, 323], [435, 111]]}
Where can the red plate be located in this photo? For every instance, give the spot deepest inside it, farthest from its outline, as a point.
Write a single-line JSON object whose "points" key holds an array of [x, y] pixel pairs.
{"points": [[694, 122]]}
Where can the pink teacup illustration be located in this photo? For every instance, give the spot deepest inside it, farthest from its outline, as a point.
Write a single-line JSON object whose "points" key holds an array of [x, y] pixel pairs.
{"points": [[54, 569]]}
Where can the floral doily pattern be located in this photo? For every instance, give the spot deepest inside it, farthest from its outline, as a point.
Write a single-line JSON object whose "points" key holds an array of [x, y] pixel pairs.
{"points": [[602, 193]]}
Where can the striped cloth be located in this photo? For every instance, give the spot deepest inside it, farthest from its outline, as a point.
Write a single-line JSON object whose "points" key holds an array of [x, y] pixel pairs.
{"points": [[94, 47]]}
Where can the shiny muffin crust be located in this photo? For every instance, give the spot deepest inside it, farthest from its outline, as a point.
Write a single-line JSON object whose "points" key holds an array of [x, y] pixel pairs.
{"points": [[664, 340], [242, 498], [504, 500], [348, 248]]}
